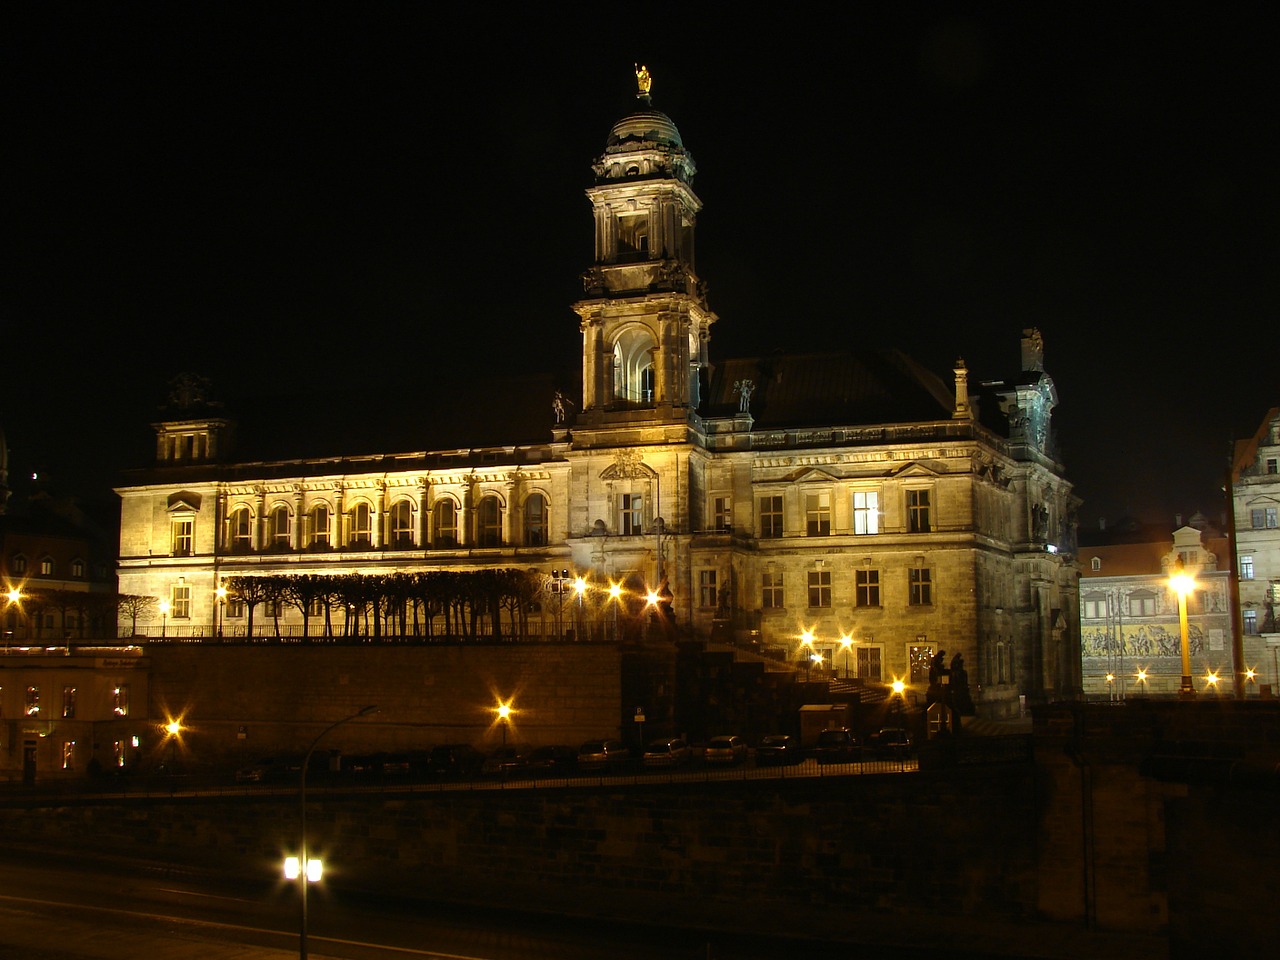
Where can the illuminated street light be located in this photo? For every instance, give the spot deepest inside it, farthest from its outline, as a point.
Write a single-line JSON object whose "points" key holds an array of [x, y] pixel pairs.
{"points": [[1183, 583], [1142, 679], [164, 617], [293, 869], [846, 641], [221, 594], [1211, 681], [504, 719], [1111, 692], [173, 732], [615, 597]]}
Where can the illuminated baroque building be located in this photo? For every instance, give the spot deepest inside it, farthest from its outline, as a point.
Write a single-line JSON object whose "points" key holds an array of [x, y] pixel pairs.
{"points": [[1130, 636], [1256, 492], [847, 496]]}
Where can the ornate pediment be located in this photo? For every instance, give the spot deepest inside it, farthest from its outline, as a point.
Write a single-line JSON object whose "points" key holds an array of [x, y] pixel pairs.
{"points": [[184, 501], [914, 469], [628, 465]]}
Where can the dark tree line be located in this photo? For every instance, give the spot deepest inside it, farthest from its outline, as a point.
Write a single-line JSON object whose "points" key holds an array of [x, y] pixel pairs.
{"points": [[432, 604]]}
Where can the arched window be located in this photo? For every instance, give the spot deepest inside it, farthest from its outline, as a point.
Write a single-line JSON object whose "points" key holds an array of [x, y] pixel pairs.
{"points": [[400, 524], [278, 524], [360, 526], [444, 524], [535, 521], [489, 523], [240, 530], [318, 522], [633, 374]]}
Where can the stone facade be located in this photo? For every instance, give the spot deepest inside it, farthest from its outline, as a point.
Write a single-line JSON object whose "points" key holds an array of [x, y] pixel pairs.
{"points": [[1255, 478], [849, 507]]}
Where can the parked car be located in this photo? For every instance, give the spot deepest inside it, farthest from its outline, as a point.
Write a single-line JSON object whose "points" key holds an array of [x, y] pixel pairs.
{"points": [[837, 745], [454, 760], [725, 750], [667, 752], [892, 743], [270, 769], [505, 762], [777, 749], [557, 758], [602, 754]]}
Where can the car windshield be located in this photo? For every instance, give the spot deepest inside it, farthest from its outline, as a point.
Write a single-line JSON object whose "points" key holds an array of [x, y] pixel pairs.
{"points": [[659, 746], [595, 746], [774, 742], [720, 743]]}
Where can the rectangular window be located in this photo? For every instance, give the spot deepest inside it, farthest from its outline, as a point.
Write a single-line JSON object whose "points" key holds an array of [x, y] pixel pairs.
{"points": [[1251, 623], [180, 607], [632, 514], [68, 755], [68, 703], [770, 517], [866, 512], [1142, 606], [918, 655], [771, 597], [866, 588], [819, 588], [117, 753], [920, 580], [46, 567], [1273, 465], [721, 515], [918, 518], [869, 663], [1264, 518], [1246, 568], [235, 608], [120, 700], [1095, 609], [183, 536], [707, 588], [32, 703], [817, 514]]}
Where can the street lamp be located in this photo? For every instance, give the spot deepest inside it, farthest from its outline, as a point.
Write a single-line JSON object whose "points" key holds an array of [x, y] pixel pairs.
{"points": [[13, 596], [1111, 690], [504, 720], [1142, 679], [846, 641], [173, 729], [615, 597], [302, 868], [1211, 682], [579, 589], [559, 583], [221, 594], [164, 617], [1182, 583]]}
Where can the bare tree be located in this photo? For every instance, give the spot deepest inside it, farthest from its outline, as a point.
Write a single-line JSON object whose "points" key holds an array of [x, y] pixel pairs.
{"points": [[133, 606]]}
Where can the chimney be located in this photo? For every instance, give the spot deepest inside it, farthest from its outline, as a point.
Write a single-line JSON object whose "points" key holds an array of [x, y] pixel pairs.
{"points": [[962, 411]]}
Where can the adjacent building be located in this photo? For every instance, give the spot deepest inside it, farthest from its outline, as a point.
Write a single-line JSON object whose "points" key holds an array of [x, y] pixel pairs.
{"points": [[853, 507], [1255, 482]]}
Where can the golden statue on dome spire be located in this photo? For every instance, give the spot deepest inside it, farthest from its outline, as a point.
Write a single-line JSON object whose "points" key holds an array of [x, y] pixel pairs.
{"points": [[644, 80]]}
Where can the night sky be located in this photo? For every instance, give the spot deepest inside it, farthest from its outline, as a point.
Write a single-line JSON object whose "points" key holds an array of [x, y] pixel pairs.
{"points": [[322, 196]]}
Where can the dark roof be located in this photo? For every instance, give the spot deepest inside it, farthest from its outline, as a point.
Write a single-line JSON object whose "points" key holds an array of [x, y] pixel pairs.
{"points": [[875, 386]]}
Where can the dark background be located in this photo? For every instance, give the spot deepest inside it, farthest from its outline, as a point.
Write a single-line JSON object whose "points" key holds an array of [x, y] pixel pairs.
{"points": [[317, 197]]}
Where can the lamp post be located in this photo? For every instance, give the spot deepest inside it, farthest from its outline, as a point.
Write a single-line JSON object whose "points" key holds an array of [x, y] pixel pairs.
{"points": [[173, 728], [13, 596], [1182, 583], [615, 598], [221, 594], [504, 720], [846, 642], [308, 871], [164, 617], [1142, 680], [559, 583], [580, 589]]}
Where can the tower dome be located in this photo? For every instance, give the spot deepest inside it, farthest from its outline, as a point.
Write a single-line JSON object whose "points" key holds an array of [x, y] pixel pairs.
{"points": [[645, 143]]}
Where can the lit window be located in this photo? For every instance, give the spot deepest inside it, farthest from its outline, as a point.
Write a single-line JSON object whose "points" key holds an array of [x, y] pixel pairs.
{"points": [[279, 525], [183, 536], [32, 703], [489, 523], [240, 529], [1142, 604], [819, 588], [707, 596], [359, 526], [867, 588], [46, 567], [1246, 568], [632, 514], [77, 569], [535, 520], [771, 597], [866, 512], [721, 515], [180, 605], [1095, 608], [817, 514], [400, 524], [318, 522], [120, 700], [918, 517], [68, 703], [444, 524], [770, 517], [921, 584], [18, 564], [1095, 564], [117, 753], [918, 656], [68, 755]]}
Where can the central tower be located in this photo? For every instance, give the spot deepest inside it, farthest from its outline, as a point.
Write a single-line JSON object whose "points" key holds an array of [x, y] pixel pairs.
{"points": [[645, 323]]}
